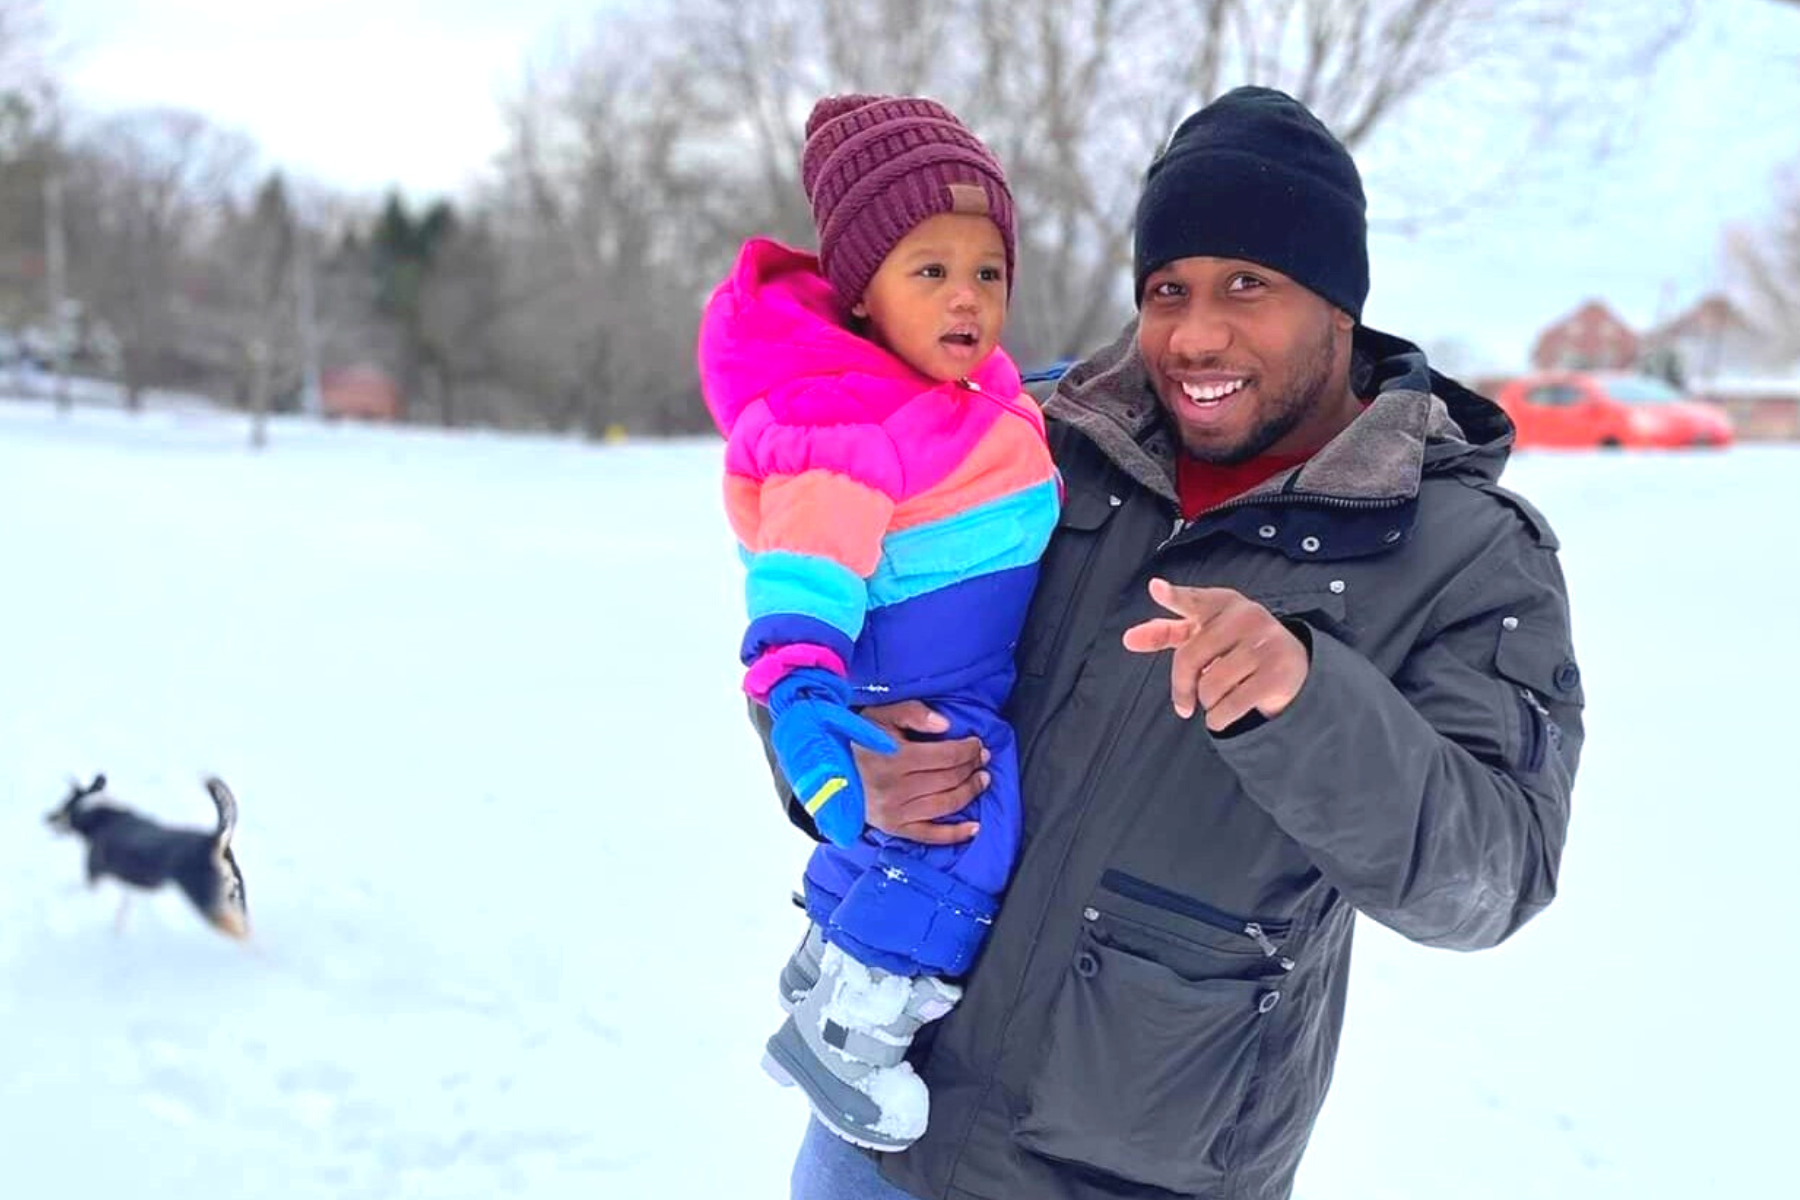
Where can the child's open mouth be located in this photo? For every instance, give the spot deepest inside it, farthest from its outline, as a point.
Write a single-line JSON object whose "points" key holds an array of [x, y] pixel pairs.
{"points": [[961, 342]]}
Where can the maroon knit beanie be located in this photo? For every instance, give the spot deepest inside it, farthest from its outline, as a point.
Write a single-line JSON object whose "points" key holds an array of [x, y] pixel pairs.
{"points": [[874, 167]]}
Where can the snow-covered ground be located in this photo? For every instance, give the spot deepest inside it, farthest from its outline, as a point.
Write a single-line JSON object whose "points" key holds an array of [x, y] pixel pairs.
{"points": [[24, 381], [519, 889]]}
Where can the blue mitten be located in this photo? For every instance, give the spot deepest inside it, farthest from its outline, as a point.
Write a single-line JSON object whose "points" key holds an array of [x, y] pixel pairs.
{"points": [[813, 735]]}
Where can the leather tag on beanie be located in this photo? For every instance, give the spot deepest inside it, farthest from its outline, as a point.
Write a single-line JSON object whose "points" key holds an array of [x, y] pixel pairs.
{"points": [[967, 198]]}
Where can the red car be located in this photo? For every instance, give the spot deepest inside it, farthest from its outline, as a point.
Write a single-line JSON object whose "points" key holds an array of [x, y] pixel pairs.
{"points": [[1609, 409]]}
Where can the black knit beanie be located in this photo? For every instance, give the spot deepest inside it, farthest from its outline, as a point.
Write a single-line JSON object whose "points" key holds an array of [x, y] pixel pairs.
{"points": [[1256, 176]]}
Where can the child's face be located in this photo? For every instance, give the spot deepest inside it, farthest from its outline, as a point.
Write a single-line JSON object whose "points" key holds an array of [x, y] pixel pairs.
{"points": [[939, 297]]}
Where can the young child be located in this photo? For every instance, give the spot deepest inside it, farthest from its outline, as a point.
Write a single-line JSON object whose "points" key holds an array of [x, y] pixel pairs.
{"points": [[892, 492]]}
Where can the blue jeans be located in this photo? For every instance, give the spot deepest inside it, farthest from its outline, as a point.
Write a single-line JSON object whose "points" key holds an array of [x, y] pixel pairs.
{"points": [[829, 1168]]}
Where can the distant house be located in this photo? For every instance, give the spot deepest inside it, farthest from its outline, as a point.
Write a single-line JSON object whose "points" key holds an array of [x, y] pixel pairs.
{"points": [[1592, 338], [1712, 349], [1714, 340], [1725, 357], [363, 391]]}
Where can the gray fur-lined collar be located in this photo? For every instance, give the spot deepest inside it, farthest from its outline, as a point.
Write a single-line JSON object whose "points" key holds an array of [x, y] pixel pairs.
{"points": [[1405, 430]]}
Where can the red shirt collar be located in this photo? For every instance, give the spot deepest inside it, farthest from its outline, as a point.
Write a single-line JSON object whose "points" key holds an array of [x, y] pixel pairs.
{"points": [[1204, 485]]}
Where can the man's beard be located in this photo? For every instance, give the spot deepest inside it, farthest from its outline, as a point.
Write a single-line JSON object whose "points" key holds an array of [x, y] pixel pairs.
{"points": [[1305, 394]]}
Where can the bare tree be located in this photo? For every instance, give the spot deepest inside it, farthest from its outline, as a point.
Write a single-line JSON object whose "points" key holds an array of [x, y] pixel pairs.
{"points": [[461, 308], [1083, 93], [615, 215], [567, 292], [25, 74], [1076, 97], [262, 267], [1765, 272], [1765, 268], [340, 325], [146, 187], [27, 154]]}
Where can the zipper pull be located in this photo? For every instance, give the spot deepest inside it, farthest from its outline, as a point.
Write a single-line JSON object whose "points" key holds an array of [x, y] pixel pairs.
{"points": [[1180, 524], [1256, 933]]}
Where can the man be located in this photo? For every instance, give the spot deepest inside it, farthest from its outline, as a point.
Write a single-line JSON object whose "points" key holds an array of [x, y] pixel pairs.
{"points": [[1371, 705]]}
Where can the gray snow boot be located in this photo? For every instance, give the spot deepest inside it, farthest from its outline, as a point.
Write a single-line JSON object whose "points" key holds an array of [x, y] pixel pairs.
{"points": [[845, 1046], [801, 971]]}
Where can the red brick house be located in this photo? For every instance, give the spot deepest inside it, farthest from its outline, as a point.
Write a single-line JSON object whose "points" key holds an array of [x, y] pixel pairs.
{"points": [[362, 391], [1592, 338]]}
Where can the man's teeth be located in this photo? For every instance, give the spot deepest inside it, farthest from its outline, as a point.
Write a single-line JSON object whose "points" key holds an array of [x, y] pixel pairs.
{"points": [[1211, 391]]}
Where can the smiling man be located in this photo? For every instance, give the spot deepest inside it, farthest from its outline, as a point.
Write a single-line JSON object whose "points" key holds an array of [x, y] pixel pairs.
{"points": [[1294, 655], [1251, 268]]}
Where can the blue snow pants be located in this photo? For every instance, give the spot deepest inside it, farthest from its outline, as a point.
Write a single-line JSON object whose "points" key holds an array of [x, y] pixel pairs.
{"points": [[915, 909]]}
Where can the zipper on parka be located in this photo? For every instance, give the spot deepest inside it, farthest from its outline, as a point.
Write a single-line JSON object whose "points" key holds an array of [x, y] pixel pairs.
{"points": [[1155, 896]]}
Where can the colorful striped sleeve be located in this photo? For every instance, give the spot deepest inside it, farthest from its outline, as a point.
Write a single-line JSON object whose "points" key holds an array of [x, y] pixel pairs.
{"points": [[809, 505]]}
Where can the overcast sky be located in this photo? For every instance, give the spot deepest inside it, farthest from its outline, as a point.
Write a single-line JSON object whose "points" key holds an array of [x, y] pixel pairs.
{"points": [[368, 93]]}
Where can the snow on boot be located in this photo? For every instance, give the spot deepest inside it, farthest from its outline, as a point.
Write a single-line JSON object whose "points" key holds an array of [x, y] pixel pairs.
{"points": [[845, 1047], [801, 971]]}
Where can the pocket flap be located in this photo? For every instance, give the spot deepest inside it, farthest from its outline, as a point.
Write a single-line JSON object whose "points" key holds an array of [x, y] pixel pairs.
{"points": [[1541, 661]]}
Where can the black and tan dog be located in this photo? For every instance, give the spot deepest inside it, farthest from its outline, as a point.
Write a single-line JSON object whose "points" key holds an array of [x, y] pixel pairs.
{"points": [[137, 851]]}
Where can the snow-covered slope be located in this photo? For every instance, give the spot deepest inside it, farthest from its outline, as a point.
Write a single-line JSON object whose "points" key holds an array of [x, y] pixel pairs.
{"points": [[519, 888]]}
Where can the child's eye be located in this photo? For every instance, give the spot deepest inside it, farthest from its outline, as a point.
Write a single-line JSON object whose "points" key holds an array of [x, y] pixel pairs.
{"points": [[932, 271], [990, 275]]}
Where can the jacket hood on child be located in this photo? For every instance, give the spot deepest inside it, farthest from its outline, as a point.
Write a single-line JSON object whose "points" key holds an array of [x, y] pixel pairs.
{"points": [[774, 326]]}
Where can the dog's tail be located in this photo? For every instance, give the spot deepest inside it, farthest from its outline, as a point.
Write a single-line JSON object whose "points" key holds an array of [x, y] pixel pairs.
{"points": [[226, 803]]}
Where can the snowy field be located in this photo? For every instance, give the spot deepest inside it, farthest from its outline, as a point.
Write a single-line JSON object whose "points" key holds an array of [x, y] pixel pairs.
{"points": [[518, 886]]}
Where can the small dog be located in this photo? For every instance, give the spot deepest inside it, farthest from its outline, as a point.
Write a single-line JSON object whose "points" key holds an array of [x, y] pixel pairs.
{"points": [[137, 851]]}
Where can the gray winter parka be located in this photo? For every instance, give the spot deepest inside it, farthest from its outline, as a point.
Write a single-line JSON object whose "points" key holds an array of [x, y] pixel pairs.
{"points": [[1157, 1010]]}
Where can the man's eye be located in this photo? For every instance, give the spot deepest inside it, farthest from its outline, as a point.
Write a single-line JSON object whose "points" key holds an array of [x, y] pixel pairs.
{"points": [[1243, 283], [1167, 291]]}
